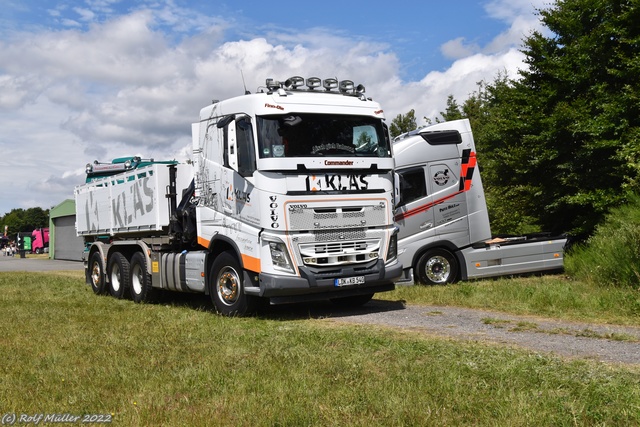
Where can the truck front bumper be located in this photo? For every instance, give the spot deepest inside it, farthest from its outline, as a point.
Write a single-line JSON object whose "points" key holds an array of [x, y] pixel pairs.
{"points": [[313, 285]]}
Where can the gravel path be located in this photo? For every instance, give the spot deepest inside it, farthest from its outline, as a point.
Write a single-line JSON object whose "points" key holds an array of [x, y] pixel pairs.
{"points": [[29, 263], [607, 343]]}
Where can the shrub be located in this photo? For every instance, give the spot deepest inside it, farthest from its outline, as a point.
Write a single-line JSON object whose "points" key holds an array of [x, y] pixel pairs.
{"points": [[611, 256]]}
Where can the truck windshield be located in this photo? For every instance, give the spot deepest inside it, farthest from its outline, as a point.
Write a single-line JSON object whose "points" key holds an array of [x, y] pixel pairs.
{"points": [[320, 135]]}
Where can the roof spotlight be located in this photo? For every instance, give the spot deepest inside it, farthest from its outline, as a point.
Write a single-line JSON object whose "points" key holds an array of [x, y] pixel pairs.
{"points": [[313, 82], [272, 84], [346, 86], [294, 82], [360, 89], [330, 84]]}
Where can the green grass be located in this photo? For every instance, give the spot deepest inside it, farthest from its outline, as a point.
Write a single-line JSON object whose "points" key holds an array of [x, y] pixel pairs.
{"points": [[177, 363], [550, 296]]}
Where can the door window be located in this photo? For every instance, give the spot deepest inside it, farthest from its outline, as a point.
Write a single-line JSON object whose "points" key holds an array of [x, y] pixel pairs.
{"points": [[412, 185]]}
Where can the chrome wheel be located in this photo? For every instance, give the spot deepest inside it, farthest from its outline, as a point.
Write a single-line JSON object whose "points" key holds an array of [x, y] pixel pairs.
{"points": [[438, 269], [228, 286]]}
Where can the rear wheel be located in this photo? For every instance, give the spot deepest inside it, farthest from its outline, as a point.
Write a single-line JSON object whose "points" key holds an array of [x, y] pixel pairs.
{"points": [[140, 280], [437, 267], [96, 275], [227, 287], [118, 269]]}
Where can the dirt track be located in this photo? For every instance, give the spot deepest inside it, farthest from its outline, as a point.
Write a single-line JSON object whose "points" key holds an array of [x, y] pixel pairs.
{"points": [[614, 344]]}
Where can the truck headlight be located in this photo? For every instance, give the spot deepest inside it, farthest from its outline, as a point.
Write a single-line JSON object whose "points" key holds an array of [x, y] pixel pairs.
{"points": [[392, 250], [280, 256]]}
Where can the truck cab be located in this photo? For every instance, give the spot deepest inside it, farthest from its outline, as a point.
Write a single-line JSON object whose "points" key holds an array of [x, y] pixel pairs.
{"points": [[301, 178], [445, 233], [40, 240]]}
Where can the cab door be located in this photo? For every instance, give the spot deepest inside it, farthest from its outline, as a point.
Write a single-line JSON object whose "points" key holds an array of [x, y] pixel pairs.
{"points": [[450, 201], [414, 214]]}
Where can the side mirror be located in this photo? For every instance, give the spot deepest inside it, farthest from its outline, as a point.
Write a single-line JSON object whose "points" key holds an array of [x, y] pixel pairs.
{"points": [[225, 121]]}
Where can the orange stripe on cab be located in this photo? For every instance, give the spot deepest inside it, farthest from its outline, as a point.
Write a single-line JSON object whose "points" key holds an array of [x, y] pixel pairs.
{"points": [[203, 242], [251, 263]]}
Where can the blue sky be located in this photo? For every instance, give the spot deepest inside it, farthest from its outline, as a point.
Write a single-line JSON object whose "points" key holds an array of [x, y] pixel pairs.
{"points": [[98, 79]]}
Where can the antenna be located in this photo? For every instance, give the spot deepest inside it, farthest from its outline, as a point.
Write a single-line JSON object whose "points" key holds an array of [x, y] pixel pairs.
{"points": [[246, 92]]}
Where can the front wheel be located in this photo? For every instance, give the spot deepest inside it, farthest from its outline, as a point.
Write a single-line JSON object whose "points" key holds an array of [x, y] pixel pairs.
{"points": [[227, 287], [437, 267], [118, 269]]}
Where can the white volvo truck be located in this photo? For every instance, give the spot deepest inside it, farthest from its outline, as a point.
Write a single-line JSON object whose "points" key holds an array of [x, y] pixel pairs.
{"points": [[445, 233], [289, 197]]}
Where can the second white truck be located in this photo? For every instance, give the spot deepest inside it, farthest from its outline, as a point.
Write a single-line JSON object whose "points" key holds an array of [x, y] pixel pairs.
{"points": [[445, 233]]}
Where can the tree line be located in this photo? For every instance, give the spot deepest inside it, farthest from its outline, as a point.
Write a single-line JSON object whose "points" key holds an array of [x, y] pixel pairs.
{"points": [[24, 220], [559, 144]]}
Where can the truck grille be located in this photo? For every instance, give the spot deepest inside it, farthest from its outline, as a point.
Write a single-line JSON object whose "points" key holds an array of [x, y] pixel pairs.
{"points": [[318, 219], [321, 254]]}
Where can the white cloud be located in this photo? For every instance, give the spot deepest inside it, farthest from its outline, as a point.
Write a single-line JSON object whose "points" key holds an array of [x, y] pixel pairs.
{"points": [[125, 86], [511, 10], [85, 14], [520, 16], [456, 48]]}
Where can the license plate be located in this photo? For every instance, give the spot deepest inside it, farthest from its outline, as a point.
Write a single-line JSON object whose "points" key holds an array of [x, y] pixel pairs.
{"points": [[349, 281]]}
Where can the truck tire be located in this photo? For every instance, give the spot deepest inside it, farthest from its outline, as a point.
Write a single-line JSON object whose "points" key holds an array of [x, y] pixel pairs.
{"points": [[227, 288], [118, 270], [96, 274], [436, 267], [140, 280]]}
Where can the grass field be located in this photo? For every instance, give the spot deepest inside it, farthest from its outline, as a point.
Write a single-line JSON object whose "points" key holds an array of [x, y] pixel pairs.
{"points": [[551, 296], [65, 350]]}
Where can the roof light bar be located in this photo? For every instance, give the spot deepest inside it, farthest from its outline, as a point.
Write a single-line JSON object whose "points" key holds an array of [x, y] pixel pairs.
{"points": [[346, 87]]}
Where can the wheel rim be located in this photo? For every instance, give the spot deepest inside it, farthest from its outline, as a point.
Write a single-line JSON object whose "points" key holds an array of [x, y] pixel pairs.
{"points": [[95, 274], [136, 279], [115, 277], [438, 269], [228, 286]]}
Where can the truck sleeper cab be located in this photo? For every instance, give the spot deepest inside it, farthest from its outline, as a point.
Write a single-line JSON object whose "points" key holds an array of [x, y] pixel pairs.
{"points": [[445, 233]]}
